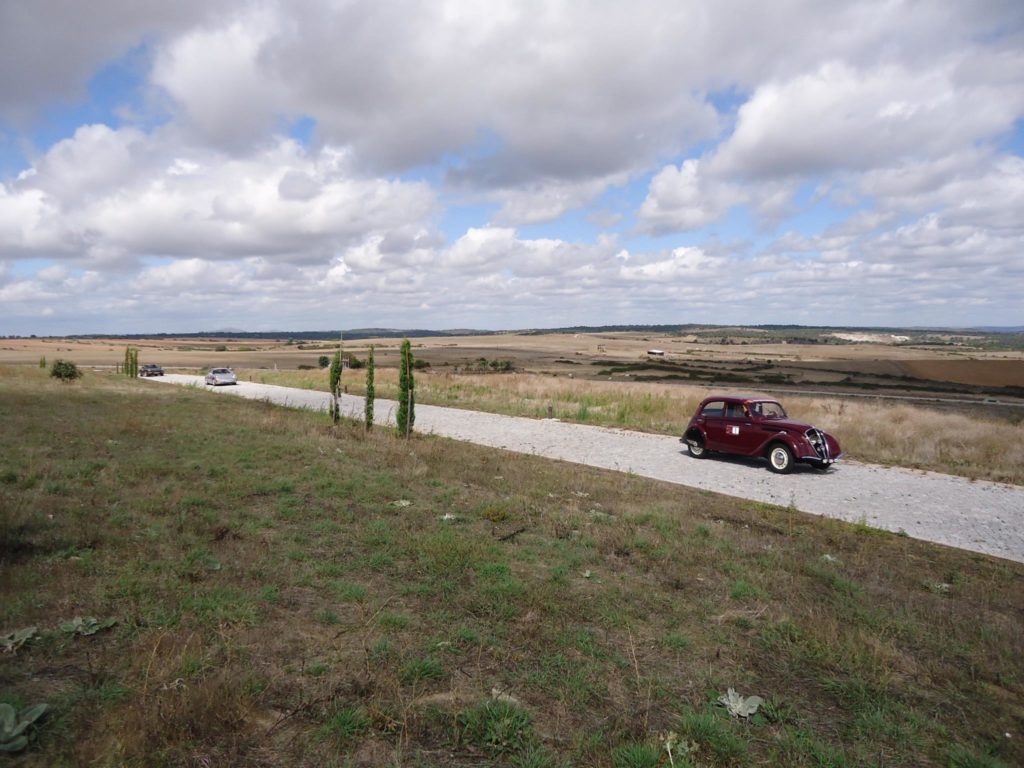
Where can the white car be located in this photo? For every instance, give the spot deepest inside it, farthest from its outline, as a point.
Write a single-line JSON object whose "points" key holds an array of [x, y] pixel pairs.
{"points": [[218, 376]]}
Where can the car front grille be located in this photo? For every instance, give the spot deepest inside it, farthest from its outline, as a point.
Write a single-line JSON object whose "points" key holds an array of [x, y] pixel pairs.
{"points": [[817, 440]]}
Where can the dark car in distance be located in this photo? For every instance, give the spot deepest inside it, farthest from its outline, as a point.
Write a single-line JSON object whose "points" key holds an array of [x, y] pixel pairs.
{"points": [[151, 369], [757, 427]]}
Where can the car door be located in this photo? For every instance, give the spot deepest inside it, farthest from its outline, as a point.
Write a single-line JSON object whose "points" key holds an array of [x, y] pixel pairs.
{"points": [[737, 429], [752, 433]]}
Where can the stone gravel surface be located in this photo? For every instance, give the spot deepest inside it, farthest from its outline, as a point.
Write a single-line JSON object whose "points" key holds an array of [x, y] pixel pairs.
{"points": [[974, 515]]}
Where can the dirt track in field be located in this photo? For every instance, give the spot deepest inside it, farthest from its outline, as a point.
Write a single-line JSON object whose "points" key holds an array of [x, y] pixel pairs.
{"points": [[973, 515]]}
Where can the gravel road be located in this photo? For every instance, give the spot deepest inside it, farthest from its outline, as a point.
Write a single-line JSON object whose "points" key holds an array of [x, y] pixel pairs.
{"points": [[974, 515]]}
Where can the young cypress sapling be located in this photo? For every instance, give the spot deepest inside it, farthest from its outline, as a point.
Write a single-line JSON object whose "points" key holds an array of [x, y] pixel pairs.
{"points": [[336, 366], [406, 416], [370, 393]]}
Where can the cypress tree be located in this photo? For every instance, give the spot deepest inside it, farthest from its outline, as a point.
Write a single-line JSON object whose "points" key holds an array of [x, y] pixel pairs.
{"points": [[406, 391], [336, 386], [370, 393]]}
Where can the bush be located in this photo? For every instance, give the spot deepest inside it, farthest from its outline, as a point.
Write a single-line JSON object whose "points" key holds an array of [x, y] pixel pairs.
{"points": [[419, 364], [323, 361], [65, 370]]}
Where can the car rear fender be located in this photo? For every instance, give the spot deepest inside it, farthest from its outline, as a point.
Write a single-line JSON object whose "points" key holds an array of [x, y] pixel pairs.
{"points": [[694, 433]]}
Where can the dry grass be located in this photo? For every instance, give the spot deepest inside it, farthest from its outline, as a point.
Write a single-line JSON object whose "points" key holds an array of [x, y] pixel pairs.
{"points": [[276, 607]]}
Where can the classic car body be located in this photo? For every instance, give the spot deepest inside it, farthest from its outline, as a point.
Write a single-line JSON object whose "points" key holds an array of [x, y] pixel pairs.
{"points": [[759, 427]]}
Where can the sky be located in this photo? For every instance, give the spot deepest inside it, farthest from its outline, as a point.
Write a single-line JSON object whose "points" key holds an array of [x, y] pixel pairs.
{"points": [[322, 164]]}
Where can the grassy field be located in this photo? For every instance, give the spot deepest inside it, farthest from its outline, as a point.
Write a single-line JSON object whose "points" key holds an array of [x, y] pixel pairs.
{"points": [[258, 588], [971, 445]]}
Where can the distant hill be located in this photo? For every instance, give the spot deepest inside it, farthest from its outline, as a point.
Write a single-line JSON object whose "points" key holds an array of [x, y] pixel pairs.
{"points": [[796, 332]]}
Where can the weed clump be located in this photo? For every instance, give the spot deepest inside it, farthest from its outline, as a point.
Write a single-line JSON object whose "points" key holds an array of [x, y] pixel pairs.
{"points": [[500, 727]]}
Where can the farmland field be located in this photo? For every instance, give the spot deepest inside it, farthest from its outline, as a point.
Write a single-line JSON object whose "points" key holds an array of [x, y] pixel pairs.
{"points": [[271, 590]]}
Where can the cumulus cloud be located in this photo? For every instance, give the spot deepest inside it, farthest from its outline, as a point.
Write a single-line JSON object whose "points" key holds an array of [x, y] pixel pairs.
{"points": [[107, 191], [682, 198], [841, 118]]}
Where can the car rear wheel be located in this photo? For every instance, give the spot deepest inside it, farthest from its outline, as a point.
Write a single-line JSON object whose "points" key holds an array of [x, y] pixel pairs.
{"points": [[780, 459], [695, 445]]}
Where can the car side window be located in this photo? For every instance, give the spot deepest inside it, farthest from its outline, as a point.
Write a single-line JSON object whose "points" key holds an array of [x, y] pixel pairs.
{"points": [[734, 411], [715, 408]]}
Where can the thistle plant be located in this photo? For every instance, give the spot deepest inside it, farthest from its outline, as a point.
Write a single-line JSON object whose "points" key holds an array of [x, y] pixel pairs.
{"points": [[14, 725], [12, 641], [740, 706], [86, 626]]}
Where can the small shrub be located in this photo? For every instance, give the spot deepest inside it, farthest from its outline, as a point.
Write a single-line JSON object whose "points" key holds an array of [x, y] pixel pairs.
{"points": [[323, 361], [65, 370]]}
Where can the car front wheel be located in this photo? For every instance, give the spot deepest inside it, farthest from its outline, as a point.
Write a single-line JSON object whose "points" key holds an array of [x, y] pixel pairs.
{"points": [[780, 459]]}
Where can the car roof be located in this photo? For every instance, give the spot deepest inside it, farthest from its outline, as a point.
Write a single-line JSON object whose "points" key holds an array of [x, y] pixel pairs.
{"points": [[741, 399]]}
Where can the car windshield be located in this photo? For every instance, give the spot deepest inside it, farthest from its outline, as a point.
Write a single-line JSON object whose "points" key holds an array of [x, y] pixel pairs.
{"points": [[220, 370], [769, 410]]}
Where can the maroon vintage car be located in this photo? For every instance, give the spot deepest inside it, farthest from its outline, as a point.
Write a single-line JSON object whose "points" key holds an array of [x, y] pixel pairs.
{"points": [[757, 426]]}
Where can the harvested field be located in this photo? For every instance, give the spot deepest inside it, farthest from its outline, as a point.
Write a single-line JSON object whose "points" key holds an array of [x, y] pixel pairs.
{"points": [[989, 373]]}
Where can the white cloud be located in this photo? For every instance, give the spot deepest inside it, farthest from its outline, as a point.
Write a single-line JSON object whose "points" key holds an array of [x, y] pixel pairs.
{"points": [[214, 75], [683, 198], [114, 192], [843, 118]]}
